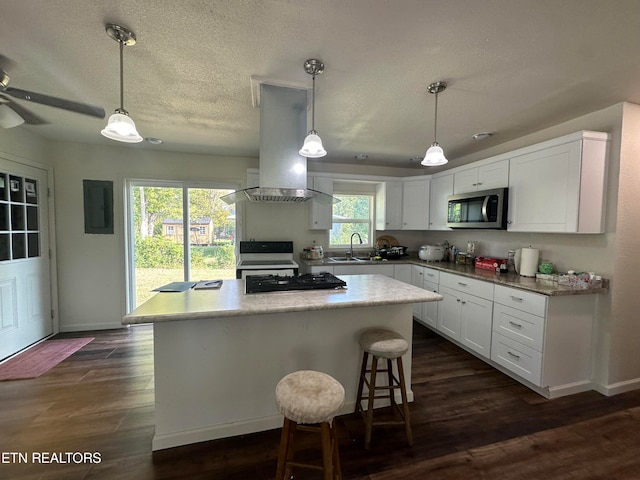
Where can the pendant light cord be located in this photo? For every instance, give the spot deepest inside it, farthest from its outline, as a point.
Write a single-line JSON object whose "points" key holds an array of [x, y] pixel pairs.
{"points": [[435, 122], [313, 103], [121, 74]]}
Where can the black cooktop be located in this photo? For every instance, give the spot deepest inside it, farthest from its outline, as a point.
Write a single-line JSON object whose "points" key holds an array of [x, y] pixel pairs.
{"points": [[284, 283]]}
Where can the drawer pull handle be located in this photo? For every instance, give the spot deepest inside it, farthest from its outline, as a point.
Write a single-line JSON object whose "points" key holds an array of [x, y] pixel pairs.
{"points": [[517, 357], [516, 299], [458, 300], [430, 275], [463, 302], [462, 284], [517, 325]]}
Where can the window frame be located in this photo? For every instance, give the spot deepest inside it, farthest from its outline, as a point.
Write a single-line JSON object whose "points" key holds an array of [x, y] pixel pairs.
{"points": [[368, 245]]}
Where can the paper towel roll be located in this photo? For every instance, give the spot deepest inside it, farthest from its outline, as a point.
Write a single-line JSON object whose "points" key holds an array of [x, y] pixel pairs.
{"points": [[529, 262]]}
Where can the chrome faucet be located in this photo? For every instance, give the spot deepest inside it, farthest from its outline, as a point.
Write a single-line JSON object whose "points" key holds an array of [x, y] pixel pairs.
{"points": [[351, 242]]}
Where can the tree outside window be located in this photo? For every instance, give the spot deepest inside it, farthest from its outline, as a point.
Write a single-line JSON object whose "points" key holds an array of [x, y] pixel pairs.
{"points": [[353, 214]]}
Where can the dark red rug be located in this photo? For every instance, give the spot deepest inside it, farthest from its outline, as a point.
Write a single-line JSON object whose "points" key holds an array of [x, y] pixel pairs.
{"points": [[40, 358]]}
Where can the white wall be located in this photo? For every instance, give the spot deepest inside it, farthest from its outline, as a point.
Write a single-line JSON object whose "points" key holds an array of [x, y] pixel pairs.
{"points": [[91, 268]]}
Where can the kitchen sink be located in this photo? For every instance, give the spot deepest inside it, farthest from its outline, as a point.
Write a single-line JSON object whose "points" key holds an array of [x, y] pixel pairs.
{"points": [[348, 259]]}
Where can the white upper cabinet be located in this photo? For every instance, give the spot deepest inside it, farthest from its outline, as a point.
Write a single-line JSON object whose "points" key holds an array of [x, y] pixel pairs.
{"points": [[320, 217], [484, 177], [389, 205], [559, 186], [415, 204], [441, 188]]}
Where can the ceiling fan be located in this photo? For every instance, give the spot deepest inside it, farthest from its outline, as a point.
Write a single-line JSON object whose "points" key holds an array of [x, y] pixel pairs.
{"points": [[19, 114]]}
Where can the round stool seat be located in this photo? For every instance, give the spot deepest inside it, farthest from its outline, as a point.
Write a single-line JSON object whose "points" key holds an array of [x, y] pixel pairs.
{"points": [[309, 397], [383, 343]]}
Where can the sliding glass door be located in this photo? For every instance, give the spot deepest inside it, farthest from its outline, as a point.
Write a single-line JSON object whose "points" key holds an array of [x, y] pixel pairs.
{"points": [[177, 232]]}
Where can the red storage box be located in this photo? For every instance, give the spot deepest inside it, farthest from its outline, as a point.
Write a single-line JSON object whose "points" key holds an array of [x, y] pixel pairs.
{"points": [[489, 263]]}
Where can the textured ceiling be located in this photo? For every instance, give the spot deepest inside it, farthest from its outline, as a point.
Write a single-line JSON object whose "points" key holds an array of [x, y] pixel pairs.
{"points": [[513, 67]]}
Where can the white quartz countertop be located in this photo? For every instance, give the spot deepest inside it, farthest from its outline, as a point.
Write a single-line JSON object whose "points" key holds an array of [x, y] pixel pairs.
{"points": [[230, 300]]}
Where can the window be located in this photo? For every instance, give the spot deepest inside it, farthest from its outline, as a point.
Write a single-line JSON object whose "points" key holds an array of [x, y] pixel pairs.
{"points": [[169, 229], [353, 214]]}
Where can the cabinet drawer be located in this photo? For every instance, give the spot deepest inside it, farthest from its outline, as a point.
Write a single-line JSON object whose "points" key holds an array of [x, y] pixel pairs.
{"points": [[533, 303], [519, 326], [469, 285], [431, 275], [516, 357]]}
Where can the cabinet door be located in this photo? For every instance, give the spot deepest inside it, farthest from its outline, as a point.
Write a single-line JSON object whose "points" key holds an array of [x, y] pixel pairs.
{"points": [[475, 322], [415, 205], [417, 280], [441, 188], [466, 181], [449, 312], [493, 175], [320, 216], [389, 206], [402, 272], [544, 188], [430, 309]]}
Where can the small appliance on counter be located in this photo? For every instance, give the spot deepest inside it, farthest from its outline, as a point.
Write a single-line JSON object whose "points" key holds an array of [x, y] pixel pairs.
{"points": [[392, 252], [432, 253]]}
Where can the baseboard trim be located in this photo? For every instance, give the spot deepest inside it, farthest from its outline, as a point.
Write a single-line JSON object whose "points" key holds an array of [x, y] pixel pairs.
{"points": [[90, 326], [617, 388]]}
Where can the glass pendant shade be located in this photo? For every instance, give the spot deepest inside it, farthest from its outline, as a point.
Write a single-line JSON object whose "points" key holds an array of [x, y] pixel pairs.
{"points": [[121, 128], [312, 147], [434, 156], [9, 118]]}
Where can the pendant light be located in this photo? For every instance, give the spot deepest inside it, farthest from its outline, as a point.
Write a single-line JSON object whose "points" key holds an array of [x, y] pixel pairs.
{"points": [[312, 147], [435, 154], [120, 126]]}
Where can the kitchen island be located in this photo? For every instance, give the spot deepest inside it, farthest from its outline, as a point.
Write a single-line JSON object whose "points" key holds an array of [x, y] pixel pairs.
{"points": [[218, 354]]}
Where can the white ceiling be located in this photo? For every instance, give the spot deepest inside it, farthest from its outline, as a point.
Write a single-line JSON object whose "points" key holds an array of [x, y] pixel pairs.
{"points": [[513, 67]]}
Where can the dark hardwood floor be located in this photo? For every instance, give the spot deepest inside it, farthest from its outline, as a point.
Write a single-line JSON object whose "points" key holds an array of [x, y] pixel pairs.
{"points": [[469, 422]]}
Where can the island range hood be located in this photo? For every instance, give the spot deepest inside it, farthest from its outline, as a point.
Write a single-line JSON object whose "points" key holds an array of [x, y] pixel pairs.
{"points": [[283, 172]]}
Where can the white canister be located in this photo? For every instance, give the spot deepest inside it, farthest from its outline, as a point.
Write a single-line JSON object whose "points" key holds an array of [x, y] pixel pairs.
{"points": [[527, 261]]}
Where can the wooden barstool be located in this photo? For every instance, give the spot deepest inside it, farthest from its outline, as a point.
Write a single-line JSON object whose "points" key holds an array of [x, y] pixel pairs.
{"points": [[385, 344], [309, 401]]}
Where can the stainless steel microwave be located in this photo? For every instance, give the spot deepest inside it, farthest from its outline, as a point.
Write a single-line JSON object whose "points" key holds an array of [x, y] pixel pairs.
{"points": [[484, 209]]}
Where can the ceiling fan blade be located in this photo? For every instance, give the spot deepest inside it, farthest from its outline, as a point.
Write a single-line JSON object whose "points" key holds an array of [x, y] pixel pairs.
{"points": [[76, 107], [29, 117]]}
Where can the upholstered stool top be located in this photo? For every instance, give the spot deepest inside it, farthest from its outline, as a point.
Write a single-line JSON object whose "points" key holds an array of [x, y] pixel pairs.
{"points": [[309, 397], [383, 343]]}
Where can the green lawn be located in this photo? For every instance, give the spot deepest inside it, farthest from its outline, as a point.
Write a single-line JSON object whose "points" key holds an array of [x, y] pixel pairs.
{"points": [[149, 278]]}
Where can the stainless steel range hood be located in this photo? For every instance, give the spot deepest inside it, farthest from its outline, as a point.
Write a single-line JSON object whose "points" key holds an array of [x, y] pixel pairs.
{"points": [[283, 172]]}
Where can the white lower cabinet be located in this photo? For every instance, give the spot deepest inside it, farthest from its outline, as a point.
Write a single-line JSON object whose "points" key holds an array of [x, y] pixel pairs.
{"points": [[466, 319], [402, 272], [430, 309], [545, 340], [417, 280], [465, 313]]}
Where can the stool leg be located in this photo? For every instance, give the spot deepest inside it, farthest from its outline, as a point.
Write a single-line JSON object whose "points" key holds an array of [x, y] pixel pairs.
{"points": [[405, 404], [372, 393], [337, 471], [392, 397], [284, 449], [363, 372], [327, 454]]}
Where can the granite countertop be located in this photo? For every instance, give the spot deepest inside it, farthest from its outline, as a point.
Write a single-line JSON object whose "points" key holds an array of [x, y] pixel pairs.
{"points": [[544, 287], [230, 300]]}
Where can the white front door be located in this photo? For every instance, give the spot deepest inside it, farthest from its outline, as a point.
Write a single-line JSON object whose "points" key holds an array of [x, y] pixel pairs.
{"points": [[25, 285]]}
